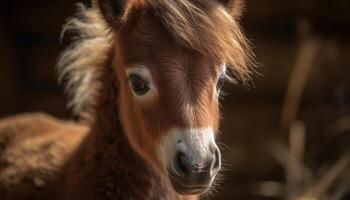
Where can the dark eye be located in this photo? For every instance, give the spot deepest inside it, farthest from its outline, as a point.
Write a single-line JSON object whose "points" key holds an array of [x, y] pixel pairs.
{"points": [[138, 85], [220, 82]]}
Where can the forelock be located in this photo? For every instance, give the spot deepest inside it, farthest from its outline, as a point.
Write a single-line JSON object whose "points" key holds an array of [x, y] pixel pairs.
{"points": [[206, 26]]}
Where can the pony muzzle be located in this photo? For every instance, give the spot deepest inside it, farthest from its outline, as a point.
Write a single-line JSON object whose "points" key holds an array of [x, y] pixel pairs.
{"points": [[192, 159]]}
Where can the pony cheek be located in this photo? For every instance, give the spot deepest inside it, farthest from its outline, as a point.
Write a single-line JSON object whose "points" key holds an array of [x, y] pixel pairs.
{"points": [[130, 120], [151, 135], [138, 131]]}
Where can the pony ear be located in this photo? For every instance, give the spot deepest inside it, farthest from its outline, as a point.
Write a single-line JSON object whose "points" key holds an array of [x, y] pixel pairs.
{"points": [[113, 11], [235, 7]]}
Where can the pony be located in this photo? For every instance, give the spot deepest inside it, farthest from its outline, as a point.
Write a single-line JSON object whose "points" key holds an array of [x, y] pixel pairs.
{"points": [[144, 78]]}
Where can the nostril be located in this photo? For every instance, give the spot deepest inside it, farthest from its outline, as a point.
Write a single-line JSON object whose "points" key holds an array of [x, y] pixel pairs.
{"points": [[217, 160], [182, 164]]}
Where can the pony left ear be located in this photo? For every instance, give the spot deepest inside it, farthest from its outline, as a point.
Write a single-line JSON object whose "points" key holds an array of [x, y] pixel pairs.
{"points": [[235, 7], [114, 11]]}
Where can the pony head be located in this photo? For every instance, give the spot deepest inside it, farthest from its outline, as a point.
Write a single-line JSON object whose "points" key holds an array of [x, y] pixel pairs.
{"points": [[170, 60]]}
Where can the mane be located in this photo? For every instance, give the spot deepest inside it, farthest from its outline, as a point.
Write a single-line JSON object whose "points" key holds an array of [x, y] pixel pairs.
{"points": [[202, 25], [208, 27], [81, 64]]}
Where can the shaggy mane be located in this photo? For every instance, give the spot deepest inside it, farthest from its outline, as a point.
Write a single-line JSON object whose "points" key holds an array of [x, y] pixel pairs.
{"points": [[203, 25], [208, 27], [80, 65]]}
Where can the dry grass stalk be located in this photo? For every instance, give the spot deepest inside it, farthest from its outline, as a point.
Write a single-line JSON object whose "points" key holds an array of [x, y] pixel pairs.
{"points": [[301, 185], [321, 186], [306, 54], [295, 166], [292, 159], [301, 70]]}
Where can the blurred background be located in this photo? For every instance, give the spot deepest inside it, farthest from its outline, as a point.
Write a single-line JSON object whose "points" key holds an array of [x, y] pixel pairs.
{"points": [[288, 137]]}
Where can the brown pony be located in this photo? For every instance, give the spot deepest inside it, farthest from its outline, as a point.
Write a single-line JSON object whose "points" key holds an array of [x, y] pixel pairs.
{"points": [[144, 76]]}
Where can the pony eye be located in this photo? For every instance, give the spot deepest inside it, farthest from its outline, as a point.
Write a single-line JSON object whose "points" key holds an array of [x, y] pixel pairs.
{"points": [[138, 85], [220, 82]]}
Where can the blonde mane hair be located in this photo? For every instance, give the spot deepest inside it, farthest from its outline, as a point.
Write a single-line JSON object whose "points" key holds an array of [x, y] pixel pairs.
{"points": [[202, 25], [81, 64]]}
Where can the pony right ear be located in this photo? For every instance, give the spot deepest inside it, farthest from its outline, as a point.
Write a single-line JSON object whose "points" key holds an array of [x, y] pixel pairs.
{"points": [[113, 11]]}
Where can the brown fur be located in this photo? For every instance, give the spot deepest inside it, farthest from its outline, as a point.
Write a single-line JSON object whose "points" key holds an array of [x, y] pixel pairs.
{"points": [[191, 103], [113, 156], [33, 149]]}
